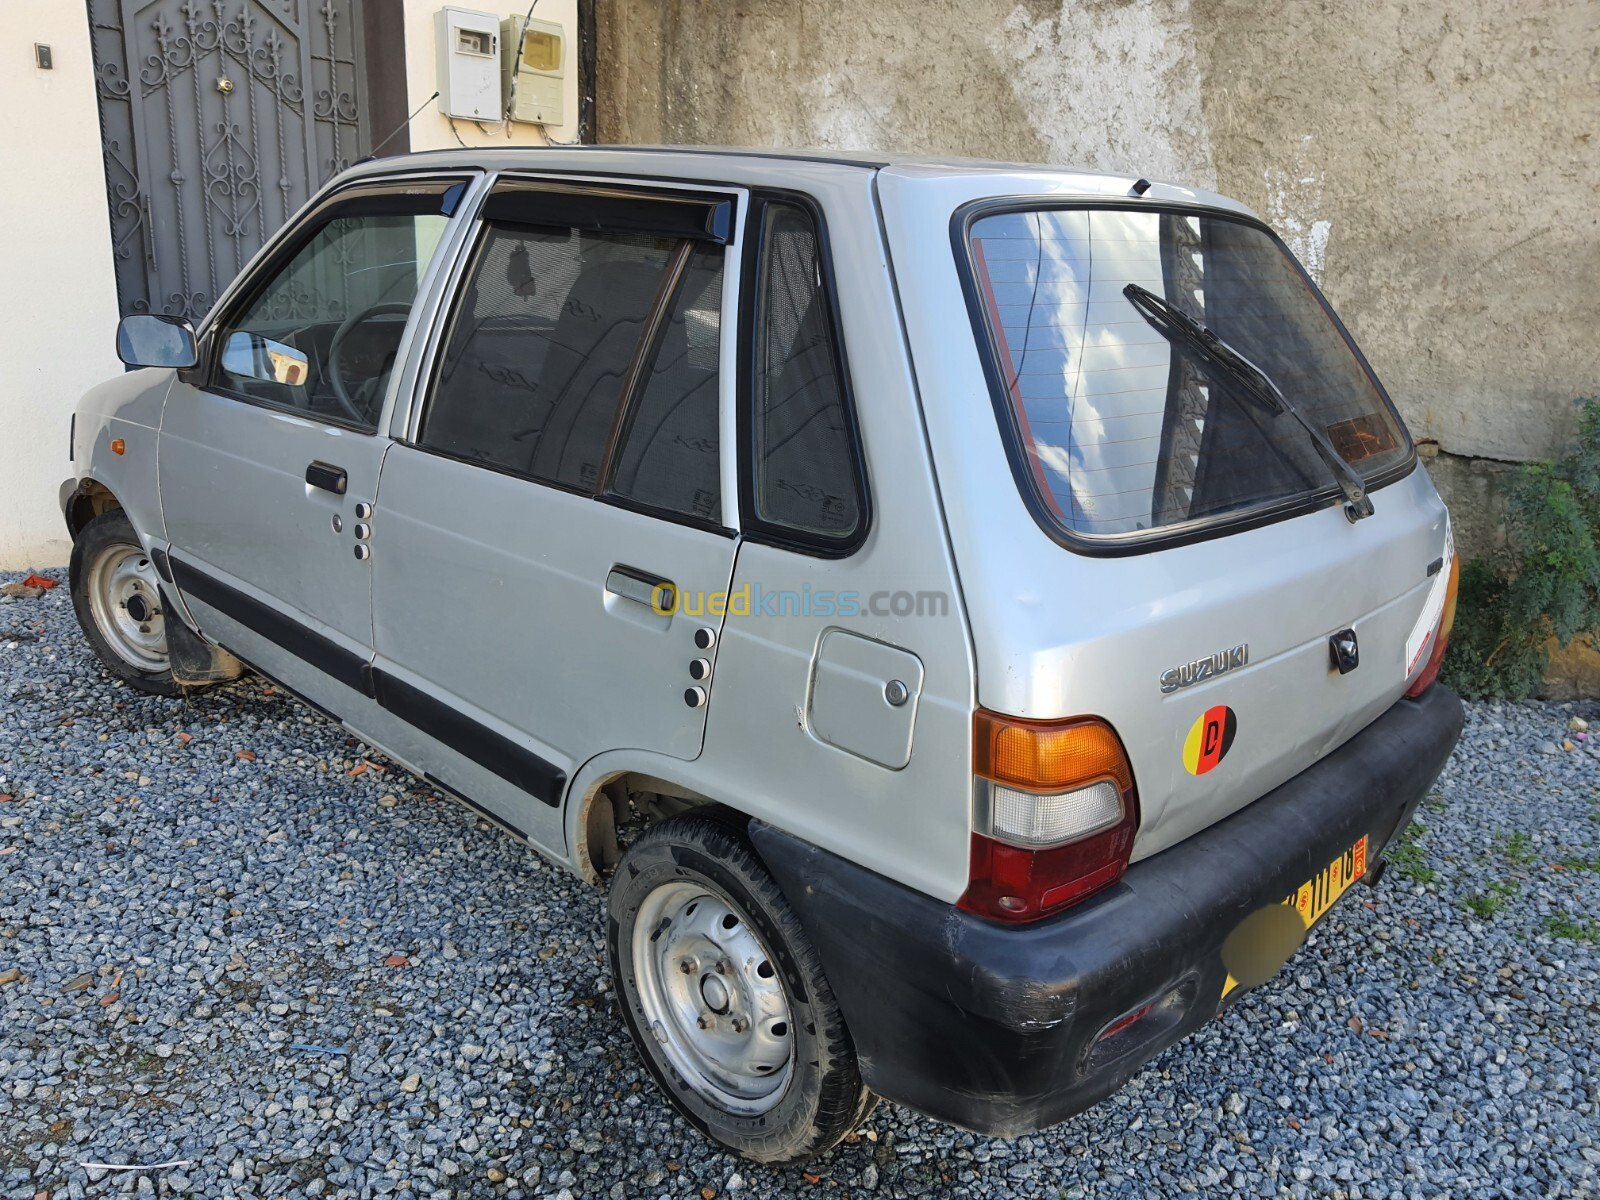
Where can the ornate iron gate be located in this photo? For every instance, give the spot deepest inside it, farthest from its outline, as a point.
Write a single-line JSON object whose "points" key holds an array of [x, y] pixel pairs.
{"points": [[219, 119]]}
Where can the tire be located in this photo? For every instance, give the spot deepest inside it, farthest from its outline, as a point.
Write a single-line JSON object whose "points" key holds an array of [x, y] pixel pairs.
{"points": [[698, 931], [110, 572]]}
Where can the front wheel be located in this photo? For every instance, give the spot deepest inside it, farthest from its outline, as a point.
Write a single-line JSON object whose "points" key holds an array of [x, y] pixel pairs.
{"points": [[725, 996], [117, 597]]}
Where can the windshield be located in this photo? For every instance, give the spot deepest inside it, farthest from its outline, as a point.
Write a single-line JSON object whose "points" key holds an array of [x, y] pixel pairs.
{"points": [[1126, 430]]}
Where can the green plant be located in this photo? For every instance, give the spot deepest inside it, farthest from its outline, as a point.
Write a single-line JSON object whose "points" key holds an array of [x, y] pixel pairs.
{"points": [[1519, 848], [1545, 584], [1580, 929], [1485, 905], [1409, 858]]}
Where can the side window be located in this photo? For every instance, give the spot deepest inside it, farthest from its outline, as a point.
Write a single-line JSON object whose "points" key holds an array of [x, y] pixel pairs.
{"points": [[540, 347], [806, 474], [320, 336], [669, 451]]}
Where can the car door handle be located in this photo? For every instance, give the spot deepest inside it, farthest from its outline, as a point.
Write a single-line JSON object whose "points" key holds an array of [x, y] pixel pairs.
{"points": [[655, 593], [328, 477]]}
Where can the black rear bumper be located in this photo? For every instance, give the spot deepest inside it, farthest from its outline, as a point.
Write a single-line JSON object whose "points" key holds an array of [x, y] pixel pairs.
{"points": [[990, 1027]]}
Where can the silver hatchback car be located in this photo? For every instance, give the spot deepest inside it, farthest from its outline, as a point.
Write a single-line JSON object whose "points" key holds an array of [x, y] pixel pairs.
{"points": [[979, 617]]}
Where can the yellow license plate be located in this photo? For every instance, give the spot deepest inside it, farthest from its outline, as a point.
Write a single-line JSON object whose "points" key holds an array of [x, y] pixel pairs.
{"points": [[1313, 898]]}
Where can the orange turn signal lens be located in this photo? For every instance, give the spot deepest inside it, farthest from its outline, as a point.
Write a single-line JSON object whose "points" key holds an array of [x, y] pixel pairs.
{"points": [[1448, 620], [118, 446], [1047, 755]]}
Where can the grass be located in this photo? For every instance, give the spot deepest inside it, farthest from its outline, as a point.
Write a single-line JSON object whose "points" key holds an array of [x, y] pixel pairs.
{"points": [[1519, 849], [1485, 905], [1579, 929], [1408, 858]]}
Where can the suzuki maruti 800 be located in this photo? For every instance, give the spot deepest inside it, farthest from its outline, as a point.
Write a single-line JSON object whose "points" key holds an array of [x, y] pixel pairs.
{"points": [[978, 617]]}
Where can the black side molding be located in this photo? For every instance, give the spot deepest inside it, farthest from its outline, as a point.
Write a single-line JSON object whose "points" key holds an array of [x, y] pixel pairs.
{"points": [[513, 763], [327, 656]]}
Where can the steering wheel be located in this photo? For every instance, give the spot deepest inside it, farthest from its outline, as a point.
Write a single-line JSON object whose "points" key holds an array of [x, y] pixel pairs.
{"points": [[355, 411]]}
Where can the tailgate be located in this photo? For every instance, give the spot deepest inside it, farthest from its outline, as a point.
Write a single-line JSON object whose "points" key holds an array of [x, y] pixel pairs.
{"points": [[1115, 630]]}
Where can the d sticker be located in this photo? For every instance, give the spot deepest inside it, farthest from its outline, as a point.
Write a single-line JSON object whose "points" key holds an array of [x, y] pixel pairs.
{"points": [[1209, 739]]}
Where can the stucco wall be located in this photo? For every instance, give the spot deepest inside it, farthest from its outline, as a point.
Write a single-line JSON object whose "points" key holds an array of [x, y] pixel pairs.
{"points": [[57, 337], [1431, 161], [432, 130]]}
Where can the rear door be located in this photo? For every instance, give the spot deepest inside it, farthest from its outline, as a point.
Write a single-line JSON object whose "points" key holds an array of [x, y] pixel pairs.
{"points": [[551, 558]]}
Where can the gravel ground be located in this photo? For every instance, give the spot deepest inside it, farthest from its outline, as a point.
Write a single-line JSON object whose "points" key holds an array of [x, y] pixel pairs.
{"points": [[219, 944]]}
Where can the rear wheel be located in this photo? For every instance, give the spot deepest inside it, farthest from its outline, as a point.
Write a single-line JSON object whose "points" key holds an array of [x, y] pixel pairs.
{"points": [[117, 597], [725, 996]]}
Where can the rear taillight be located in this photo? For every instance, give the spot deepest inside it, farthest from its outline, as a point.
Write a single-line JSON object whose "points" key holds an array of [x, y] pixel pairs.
{"points": [[1054, 814], [1440, 635]]}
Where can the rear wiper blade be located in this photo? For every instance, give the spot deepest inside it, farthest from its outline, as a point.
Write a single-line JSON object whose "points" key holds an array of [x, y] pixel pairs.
{"points": [[1172, 322]]}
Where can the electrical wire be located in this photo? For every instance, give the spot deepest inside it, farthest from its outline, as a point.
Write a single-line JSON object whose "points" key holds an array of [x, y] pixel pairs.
{"points": [[373, 153]]}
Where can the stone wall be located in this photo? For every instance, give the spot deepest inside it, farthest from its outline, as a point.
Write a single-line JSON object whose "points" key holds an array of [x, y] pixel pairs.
{"points": [[1431, 161]]}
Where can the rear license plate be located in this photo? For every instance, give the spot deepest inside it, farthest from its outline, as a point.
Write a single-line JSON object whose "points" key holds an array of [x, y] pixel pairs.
{"points": [[1313, 898]]}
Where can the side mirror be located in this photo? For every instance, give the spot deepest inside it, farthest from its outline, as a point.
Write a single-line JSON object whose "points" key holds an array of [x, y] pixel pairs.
{"points": [[253, 356], [147, 340]]}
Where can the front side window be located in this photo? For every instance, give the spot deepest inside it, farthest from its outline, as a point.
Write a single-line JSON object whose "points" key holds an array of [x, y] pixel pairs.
{"points": [[1127, 426], [807, 478], [541, 347], [320, 335]]}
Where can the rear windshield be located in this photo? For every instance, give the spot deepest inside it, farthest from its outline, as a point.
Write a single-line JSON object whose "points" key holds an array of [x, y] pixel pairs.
{"points": [[1123, 429]]}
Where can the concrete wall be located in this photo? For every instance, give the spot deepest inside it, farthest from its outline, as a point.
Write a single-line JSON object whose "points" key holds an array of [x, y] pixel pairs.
{"points": [[55, 270], [1433, 162], [432, 130]]}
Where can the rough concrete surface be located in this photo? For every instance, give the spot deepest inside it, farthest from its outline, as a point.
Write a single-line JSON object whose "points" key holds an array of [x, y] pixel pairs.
{"points": [[1432, 162]]}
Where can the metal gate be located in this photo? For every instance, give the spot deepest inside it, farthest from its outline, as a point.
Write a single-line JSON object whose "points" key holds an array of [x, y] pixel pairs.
{"points": [[219, 119]]}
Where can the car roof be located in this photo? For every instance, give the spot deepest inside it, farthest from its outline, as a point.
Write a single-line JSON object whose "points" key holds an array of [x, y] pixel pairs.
{"points": [[724, 163]]}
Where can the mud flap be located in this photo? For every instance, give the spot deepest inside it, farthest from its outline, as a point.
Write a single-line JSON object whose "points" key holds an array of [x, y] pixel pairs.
{"points": [[195, 662]]}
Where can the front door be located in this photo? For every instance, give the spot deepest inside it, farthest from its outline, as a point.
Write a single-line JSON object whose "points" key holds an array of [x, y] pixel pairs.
{"points": [[270, 451], [554, 545]]}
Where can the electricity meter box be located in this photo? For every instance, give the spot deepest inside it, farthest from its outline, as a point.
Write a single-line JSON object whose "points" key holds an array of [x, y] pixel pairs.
{"points": [[469, 64], [533, 53]]}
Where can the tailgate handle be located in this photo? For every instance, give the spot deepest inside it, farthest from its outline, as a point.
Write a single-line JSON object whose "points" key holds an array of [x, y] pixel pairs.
{"points": [[1344, 651], [328, 477], [655, 593]]}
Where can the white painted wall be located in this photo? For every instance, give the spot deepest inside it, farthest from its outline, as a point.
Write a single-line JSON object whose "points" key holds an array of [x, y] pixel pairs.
{"points": [[431, 130], [57, 336]]}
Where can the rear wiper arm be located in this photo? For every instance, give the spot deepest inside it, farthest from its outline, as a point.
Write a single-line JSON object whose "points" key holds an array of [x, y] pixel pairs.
{"points": [[1172, 322]]}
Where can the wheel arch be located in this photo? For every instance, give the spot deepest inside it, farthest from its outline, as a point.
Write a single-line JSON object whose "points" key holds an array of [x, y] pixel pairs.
{"points": [[624, 789], [84, 499]]}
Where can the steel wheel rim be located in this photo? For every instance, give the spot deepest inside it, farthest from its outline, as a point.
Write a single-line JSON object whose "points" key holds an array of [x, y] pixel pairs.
{"points": [[712, 998], [125, 599]]}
